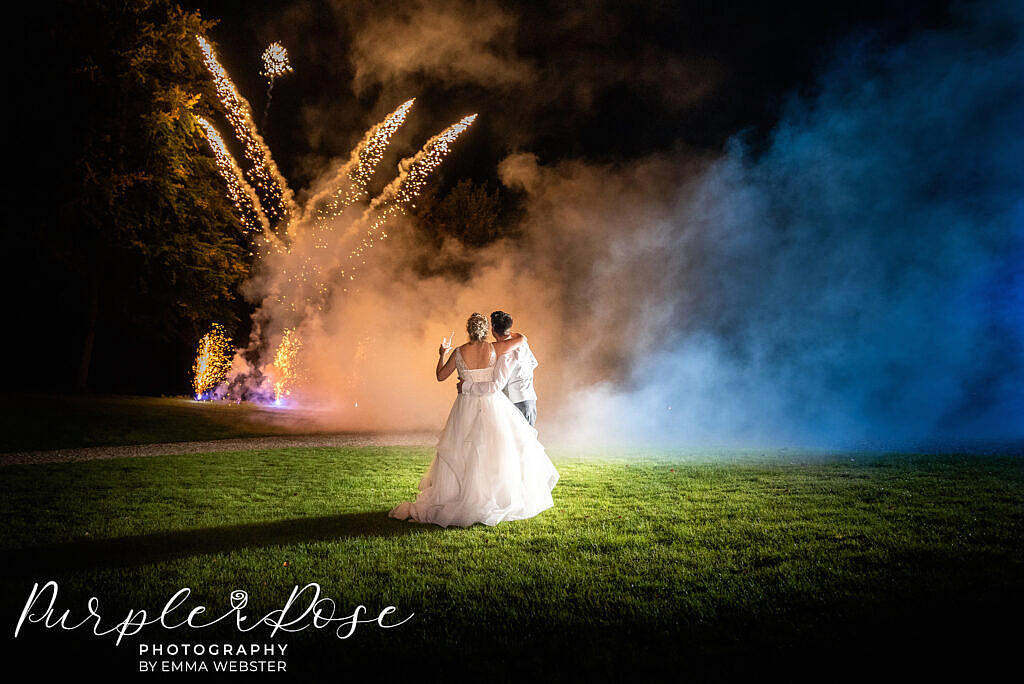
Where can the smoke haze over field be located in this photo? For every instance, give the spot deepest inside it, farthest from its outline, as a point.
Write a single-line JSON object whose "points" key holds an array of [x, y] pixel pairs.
{"points": [[859, 281]]}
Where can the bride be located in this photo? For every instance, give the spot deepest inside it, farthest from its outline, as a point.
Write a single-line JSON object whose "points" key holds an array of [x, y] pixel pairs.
{"points": [[489, 466]]}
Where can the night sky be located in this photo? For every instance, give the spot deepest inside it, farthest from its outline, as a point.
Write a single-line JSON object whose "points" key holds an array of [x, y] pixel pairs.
{"points": [[596, 81]]}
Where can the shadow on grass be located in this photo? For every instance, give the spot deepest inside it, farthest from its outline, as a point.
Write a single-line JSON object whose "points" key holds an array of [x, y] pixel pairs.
{"points": [[166, 546]]}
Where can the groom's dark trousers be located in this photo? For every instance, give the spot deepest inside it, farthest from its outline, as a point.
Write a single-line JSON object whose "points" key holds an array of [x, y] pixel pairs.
{"points": [[529, 410]]}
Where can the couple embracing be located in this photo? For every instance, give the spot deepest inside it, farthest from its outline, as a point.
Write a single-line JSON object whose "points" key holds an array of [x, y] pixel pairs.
{"points": [[489, 465]]}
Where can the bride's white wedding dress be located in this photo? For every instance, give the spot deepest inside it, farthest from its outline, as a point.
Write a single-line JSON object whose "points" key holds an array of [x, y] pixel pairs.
{"points": [[489, 466]]}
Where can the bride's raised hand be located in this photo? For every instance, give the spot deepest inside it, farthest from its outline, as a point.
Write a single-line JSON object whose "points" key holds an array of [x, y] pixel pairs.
{"points": [[445, 368], [446, 344]]}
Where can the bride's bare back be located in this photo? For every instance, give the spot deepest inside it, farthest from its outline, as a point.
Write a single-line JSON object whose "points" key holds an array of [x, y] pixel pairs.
{"points": [[476, 354]]}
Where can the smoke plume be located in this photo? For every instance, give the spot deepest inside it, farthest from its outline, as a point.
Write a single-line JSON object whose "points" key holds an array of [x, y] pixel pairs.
{"points": [[857, 281]]}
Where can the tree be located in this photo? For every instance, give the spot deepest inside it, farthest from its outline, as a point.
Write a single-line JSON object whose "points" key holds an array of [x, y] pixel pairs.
{"points": [[468, 217], [469, 213], [145, 243]]}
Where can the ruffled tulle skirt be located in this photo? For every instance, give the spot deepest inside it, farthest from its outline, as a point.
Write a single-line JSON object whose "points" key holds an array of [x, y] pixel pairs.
{"points": [[489, 467]]}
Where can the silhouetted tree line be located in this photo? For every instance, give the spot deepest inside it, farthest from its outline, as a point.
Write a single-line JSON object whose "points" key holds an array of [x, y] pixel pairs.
{"points": [[471, 215]]}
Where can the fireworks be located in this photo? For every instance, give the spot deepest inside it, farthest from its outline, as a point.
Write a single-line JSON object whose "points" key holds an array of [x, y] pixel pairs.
{"points": [[349, 184], [275, 65], [405, 188], [264, 200], [285, 368], [347, 187], [413, 172], [240, 192], [275, 62], [263, 172], [213, 360]]}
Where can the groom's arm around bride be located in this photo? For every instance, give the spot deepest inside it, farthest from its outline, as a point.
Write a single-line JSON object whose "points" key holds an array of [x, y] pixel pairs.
{"points": [[520, 385]]}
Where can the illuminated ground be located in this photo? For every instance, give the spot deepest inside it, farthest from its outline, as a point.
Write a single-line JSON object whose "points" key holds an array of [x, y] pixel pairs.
{"points": [[349, 439], [37, 423], [692, 563]]}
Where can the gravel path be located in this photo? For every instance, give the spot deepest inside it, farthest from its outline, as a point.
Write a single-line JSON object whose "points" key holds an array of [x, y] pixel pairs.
{"points": [[247, 444]]}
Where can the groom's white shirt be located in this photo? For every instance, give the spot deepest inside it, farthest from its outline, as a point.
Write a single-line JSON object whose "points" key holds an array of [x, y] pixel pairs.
{"points": [[520, 381], [513, 375]]}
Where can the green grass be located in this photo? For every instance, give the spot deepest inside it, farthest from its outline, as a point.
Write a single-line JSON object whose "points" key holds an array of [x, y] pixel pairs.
{"points": [[705, 564], [40, 422]]}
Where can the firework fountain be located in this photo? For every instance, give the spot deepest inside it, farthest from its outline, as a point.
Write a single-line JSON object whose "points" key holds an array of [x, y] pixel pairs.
{"points": [[283, 373], [213, 360], [300, 247]]}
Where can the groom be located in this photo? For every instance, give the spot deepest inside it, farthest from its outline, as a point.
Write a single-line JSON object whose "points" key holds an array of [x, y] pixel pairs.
{"points": [[520, 383]]}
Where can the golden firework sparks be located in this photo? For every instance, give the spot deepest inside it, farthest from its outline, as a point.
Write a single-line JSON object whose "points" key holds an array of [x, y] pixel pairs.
{"points": [[403, 190], [349, 183], [285, 368], [241, 194], [263, 172], [275, 61], [266, 194], [213, 360], [346, 187], [413, 172], [275, 65]]}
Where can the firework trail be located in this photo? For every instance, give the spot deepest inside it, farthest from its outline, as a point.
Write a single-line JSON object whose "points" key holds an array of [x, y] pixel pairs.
{"points": [[348, 185], [403, 190], [275, 65], [241, 194], [345, 188], [413, 171], [278, 198], [213, 361]]}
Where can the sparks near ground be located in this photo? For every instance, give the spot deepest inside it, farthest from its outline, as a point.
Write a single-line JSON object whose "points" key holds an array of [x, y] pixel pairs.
{"points": [[284, 370], [291, 235], [213, 360]]}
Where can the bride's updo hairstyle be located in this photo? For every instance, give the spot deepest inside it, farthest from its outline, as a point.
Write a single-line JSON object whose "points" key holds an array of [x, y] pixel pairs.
{"points": [[476, 326]]}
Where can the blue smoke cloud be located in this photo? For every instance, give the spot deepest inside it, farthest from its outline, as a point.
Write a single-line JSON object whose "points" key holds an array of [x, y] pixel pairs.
{"points": [[859, 282]]}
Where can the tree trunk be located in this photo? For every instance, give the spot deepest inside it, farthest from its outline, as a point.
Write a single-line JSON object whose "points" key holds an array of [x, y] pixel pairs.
{"points": [[90, 335]]}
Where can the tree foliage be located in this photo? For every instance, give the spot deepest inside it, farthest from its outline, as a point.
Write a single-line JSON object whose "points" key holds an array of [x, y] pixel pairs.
{"points": [[145, 243], [470, 213], [469, 216]]}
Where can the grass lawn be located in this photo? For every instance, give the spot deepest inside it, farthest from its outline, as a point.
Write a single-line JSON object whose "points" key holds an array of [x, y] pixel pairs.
{"points": [[42, 422], [697, 564]]}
